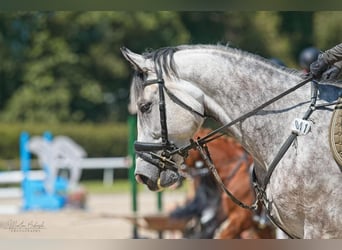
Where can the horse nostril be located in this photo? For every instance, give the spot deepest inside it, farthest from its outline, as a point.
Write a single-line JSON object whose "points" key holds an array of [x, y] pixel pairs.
{"points": [[140, 179]]}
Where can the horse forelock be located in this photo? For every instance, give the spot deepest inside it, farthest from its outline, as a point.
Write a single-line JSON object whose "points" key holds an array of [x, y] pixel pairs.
{"points": [[163, 59]]}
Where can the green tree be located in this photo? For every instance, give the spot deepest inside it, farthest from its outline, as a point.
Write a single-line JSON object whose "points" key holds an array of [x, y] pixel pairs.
{"points": [[72, 69], [327, 29], [256, 32], [13, 39], [67, 66], [298, 27]]}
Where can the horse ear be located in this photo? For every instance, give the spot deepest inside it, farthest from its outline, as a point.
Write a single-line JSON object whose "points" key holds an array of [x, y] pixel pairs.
{"points": [[138, 62]]}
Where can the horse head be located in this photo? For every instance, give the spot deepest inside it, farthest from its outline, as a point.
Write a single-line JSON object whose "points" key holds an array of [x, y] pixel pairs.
{"points": [[162, 102]]}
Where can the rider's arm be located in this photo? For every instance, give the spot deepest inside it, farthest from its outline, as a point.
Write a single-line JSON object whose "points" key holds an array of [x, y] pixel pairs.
{"points": [[333, 55]]}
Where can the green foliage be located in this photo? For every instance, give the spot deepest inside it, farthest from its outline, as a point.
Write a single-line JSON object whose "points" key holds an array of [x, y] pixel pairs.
{"points": [[98, 140], [62, 67], [259, 33], [271, 43], [328, 29], [71, 69], [298, 28], [267, 33]]}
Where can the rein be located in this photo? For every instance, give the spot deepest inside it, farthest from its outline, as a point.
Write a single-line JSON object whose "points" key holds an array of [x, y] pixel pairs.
{"points": [[242, 159], [214, 134]]}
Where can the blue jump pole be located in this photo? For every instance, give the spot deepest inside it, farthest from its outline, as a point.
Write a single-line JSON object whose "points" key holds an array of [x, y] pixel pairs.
{"points": [[35, 195], [25, 165]]}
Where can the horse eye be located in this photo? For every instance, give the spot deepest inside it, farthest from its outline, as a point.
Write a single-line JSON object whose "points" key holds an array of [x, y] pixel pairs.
{"points": [[141, 75], [145, 107]]}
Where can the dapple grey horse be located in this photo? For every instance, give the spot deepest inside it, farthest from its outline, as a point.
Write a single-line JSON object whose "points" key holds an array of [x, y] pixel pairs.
{"points": [[198, 81]]}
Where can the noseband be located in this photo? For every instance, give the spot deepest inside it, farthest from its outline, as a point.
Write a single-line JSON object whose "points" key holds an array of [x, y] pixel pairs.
{"points": [[147, 150]]}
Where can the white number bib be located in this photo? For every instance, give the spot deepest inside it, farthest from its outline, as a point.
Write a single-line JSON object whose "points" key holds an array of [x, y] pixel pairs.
{"points": [[301, 127]]}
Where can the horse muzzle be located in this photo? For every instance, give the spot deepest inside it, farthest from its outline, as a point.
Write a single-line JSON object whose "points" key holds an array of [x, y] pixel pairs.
{"points": [[149, 172]]}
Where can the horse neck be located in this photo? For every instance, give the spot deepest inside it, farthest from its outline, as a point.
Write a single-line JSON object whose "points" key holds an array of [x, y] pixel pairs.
{"points": [[237, 84]]}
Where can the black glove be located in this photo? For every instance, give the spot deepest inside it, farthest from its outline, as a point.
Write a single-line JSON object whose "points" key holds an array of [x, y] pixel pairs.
{"points": [[332, 73], [318, 67]]}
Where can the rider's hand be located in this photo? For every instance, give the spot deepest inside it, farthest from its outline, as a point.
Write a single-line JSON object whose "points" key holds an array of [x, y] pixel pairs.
{"points": [[318, 67], [332, 73]]}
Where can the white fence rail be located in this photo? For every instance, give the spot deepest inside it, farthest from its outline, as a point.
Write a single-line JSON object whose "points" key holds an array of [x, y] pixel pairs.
{"points": [[108, 164], [14, 177]]}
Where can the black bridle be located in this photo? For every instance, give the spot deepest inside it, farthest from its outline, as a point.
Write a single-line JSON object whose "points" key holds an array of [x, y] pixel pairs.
{"points": [[149, 151]]}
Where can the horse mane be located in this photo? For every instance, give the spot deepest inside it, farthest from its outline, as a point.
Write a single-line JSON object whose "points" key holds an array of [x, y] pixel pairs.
{"points": [[163, 57]]}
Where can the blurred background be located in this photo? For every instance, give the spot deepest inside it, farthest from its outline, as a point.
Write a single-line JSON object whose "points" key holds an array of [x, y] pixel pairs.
{"points": [[63, 72]]}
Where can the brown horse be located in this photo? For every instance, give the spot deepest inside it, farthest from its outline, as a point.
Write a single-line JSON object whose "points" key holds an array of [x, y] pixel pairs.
{"points": [[233, 165]]}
